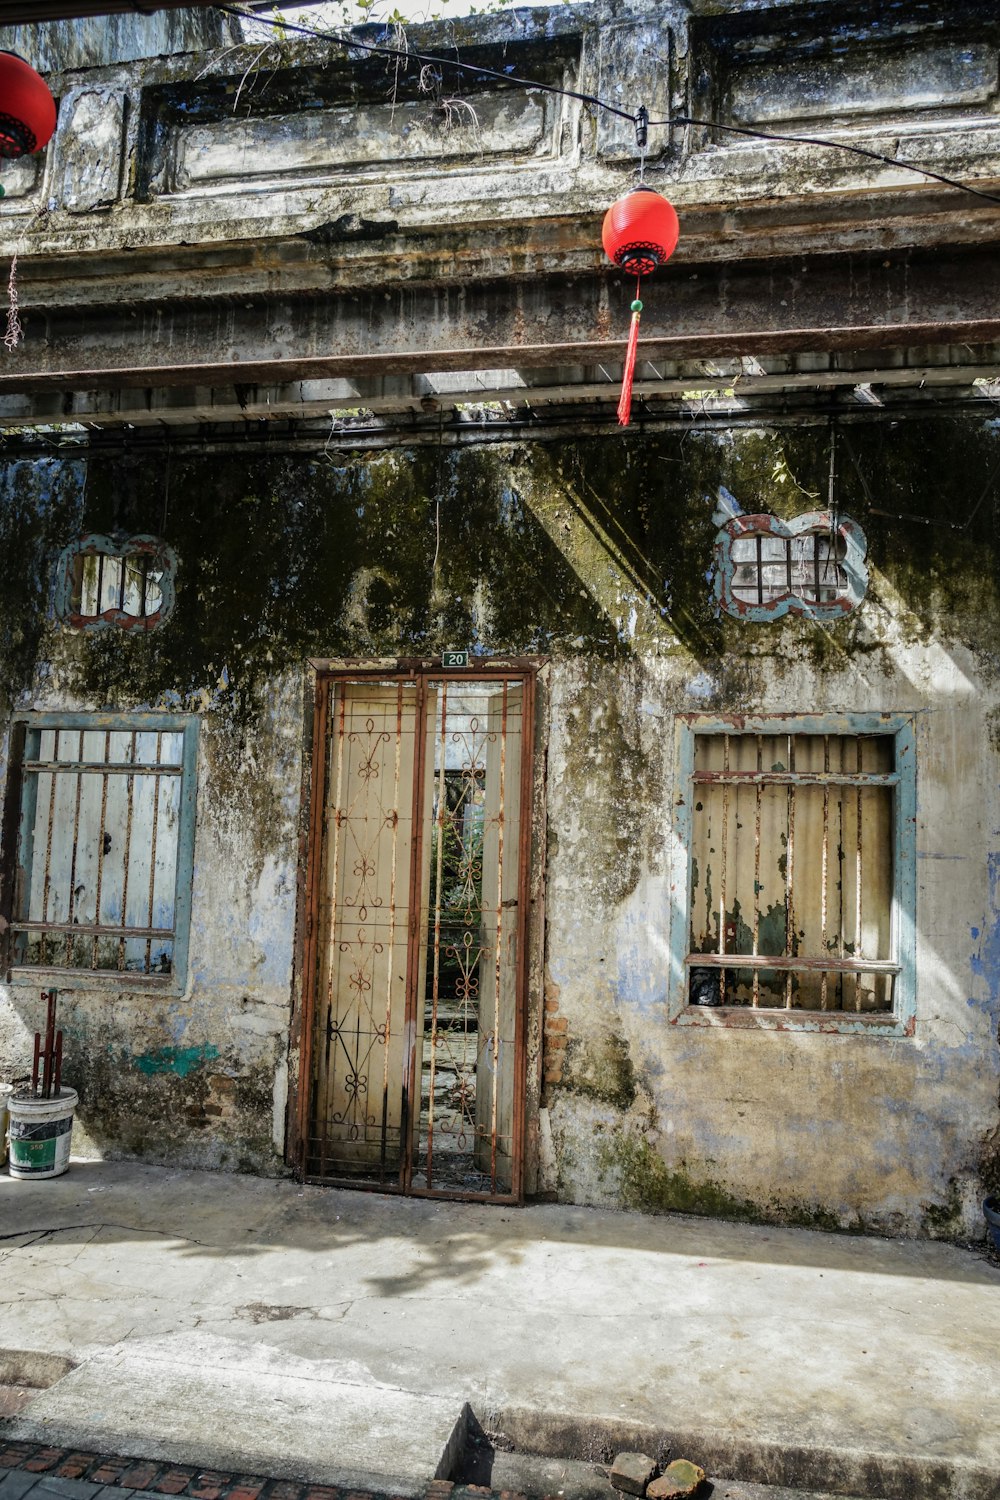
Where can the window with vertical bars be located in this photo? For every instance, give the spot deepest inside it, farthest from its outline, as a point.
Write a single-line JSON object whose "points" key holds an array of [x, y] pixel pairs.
{"points": [[126, 583], [811, 566], [795, 871], [768, 568], [105, 832]]}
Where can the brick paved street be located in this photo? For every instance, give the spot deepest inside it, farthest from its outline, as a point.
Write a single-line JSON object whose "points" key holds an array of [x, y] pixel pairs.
{"points": [[41, 1473]]}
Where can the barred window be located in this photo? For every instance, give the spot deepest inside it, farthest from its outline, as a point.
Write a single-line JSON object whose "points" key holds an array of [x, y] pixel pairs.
{"points": [[105, 827], [813, 565], [800, 869], [767, 568], [128, 583]]}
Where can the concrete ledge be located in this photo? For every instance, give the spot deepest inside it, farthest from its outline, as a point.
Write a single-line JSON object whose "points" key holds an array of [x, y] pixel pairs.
{"points": [[837, 1471]]}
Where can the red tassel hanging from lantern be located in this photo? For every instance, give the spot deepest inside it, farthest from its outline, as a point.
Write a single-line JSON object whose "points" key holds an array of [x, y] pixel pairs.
{"points": [[639, 233], [27, 108]]}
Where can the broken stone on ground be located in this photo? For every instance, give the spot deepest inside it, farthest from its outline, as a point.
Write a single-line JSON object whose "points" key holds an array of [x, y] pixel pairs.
{"points": [[631, 1472], [679, 1478]]}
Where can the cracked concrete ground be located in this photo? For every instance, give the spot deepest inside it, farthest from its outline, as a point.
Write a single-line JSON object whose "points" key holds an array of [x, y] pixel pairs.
{"points": [[329, 1335]]}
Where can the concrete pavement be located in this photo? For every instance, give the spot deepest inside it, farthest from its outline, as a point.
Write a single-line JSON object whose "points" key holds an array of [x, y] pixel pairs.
{"points": [[305, 1332]]}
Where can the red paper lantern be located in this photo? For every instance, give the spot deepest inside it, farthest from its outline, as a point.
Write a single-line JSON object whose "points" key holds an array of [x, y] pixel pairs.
{"points": [[640, 231], [27, 108]]}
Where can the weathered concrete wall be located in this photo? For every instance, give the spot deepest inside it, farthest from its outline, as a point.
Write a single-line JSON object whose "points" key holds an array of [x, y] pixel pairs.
{"points": [[594, 553], [309, 228], [54, 46]]}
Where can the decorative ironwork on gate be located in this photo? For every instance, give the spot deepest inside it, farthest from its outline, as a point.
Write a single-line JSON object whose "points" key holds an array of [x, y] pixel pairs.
{"points": [[415, 972]]}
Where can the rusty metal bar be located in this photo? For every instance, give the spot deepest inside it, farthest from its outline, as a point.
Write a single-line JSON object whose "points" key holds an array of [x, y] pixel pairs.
{"points": [[787, 963], [336, 818], [759, 793], [825, 873], [801, 778], [521, 928], [390, 941], [858, 931], [71, 898], [307, 1094], [47, 873], [152, 850], [725, 858], [48, 1056], [415, 1001], [115, 929], [498, 953], [129, 804], [100, 841], [102, 768], [352, 325], [789, 872], [441, 819]]}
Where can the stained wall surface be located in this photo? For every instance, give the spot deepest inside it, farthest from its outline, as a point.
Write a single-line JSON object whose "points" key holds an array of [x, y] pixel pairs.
{"points": [[292, 558], [340, 243]]}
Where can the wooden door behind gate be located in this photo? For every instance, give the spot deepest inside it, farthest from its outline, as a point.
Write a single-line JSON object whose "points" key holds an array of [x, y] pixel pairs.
{"points": [[414, 968]]}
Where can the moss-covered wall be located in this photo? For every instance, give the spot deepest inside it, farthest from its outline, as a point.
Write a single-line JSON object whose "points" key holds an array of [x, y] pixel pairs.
{"points": [[596, 548], [595, 553]]}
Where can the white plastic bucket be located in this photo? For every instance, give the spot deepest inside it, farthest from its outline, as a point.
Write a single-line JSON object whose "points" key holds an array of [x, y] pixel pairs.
{"points": [[6, 1089], [40, 1131]]}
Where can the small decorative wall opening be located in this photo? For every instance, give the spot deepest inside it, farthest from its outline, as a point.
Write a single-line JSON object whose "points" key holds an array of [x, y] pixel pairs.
{"points": [[124, 583], [813, 566]]}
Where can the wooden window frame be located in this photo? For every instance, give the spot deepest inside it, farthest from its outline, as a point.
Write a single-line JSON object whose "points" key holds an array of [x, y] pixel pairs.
{"points": [[901, 1020]]}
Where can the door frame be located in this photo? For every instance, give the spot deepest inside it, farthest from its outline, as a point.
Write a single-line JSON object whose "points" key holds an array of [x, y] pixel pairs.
{"points": [[327, 673]]}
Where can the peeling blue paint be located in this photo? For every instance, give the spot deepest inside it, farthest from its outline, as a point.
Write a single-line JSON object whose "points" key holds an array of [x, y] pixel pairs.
{"points": [[179, 1060], [984, 961]]}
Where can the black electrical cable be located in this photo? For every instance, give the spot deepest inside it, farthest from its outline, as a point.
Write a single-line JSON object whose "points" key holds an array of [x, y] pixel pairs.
{"points": [[639, 117], [355, 43], [812, 140]]}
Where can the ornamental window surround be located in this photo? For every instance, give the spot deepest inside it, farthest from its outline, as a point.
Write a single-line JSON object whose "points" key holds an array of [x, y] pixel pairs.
{"points": [[124, 583], [812, 566]]}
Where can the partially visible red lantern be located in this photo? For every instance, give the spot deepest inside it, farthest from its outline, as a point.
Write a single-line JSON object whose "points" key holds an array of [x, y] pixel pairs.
{"points": [[27, 108], [639, 233]]}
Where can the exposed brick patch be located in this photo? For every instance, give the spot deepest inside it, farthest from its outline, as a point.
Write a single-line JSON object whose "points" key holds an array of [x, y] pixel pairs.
{"points": [[554, 1036], [12, 1455], [283, 1489], [172, 1482], [140, 1476], [74, 1466], [245, 1489], [109, 1470], [209, 1486], [44, 1459]]}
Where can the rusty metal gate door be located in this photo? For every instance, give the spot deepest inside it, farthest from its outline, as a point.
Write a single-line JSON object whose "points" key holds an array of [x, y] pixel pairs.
{"points": [[414, 1037]]}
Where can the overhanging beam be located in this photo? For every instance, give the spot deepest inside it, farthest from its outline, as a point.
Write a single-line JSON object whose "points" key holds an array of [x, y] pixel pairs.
{"points": [[836, 303], [400, 396]]}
